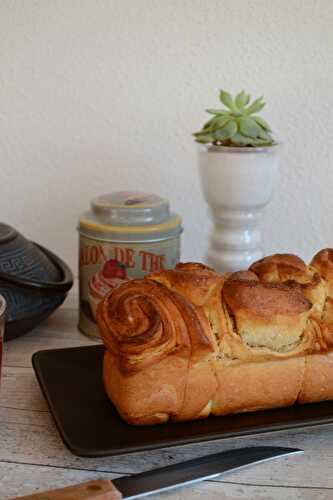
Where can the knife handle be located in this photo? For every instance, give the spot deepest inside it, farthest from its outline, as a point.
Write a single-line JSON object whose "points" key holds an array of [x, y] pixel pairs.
{"points": [[101, 489]]}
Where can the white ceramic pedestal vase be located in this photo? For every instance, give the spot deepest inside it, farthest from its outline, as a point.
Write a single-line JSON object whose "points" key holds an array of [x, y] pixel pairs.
{"points": [[237, 184]]}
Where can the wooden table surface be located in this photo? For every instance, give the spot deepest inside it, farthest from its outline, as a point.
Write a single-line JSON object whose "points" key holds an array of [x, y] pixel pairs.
{"points": [[33, 457]]}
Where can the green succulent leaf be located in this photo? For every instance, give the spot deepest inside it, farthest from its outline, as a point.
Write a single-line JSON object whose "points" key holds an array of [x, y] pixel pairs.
{"points": [[263, 124], [227, 100], [204, 138], [201, 132], [237, 125], [239, 140], [249, 127], [256, 106], [241, 100], [228, 131], [261, 143], [219, 122], [216, 111], [264, 135], [208, 125]]}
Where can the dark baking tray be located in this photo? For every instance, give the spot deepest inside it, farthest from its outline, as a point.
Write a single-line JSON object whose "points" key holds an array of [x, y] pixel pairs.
{"points": [[71, 380]]}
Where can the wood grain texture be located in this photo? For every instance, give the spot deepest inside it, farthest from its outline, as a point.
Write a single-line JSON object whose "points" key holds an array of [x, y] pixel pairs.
{"points": [[97, 489], [33, 457], [18, 479]]}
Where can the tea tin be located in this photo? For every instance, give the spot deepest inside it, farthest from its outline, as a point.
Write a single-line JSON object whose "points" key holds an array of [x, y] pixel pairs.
{"points": [[124, 235]]}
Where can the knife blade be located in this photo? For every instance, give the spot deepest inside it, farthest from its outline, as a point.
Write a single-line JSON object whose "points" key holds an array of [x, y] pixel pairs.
{"points": [[198, 469], [166, 478]]}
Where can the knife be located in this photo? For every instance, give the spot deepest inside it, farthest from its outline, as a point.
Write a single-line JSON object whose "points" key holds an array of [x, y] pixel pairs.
{"points": [[166, 478]]}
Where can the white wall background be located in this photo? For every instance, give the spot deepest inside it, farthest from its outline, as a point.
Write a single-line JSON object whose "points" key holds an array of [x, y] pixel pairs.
{"points": [[101, 95]]}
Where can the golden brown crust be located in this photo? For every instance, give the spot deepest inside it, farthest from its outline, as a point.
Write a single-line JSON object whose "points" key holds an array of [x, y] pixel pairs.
{"points": [[158, 353], [290, 269], [194, 281], [266, 315], [142, 322], [265, 299], [242, 276], [169, 390], [255, 386], [202, 286], [318, 378], [148, 396], [279, 267], [323, 263], [189, 342]]}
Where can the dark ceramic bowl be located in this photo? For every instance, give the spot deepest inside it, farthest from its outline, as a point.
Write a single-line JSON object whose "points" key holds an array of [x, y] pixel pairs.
{"points": [[33, 281]]}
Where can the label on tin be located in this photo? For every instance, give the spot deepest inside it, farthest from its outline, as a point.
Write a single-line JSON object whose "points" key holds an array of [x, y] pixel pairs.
{"points": [[104, 266]]}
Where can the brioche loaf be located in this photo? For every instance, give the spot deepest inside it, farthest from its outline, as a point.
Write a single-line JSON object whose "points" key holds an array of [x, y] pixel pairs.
{"points": [[186, 343]]}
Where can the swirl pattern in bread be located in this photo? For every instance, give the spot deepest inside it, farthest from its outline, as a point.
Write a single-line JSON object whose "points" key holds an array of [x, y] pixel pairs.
{"points": [[155, 337]]}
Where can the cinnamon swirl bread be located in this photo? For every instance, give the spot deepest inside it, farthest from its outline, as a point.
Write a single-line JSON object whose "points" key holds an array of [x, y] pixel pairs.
{"points": [[187, 343]]}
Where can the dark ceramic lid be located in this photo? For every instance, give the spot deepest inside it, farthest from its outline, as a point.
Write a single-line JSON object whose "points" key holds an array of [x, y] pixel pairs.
{"points": [[24, 263], [7, 233]]}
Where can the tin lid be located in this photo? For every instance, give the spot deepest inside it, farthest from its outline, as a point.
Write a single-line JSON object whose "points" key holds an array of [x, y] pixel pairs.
{"points": [[130, 215]]}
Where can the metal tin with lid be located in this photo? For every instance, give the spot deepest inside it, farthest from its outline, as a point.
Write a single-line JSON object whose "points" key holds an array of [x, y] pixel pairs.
{"points": [[124, 235]]}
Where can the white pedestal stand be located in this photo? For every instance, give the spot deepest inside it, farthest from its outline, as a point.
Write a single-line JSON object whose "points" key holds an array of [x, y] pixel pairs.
{"points": [[237, 184]]}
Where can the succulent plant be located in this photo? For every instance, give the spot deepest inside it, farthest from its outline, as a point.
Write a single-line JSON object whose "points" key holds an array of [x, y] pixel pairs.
{"points": [[238, 125]]}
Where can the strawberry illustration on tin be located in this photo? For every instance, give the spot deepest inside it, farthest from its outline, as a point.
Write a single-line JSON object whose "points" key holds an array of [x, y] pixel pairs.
{"points": [[112, 275]]}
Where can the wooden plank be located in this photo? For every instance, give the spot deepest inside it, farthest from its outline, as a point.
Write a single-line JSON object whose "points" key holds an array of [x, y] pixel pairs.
{"points": [[16, 479], [18, 352], [20, 390]]}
